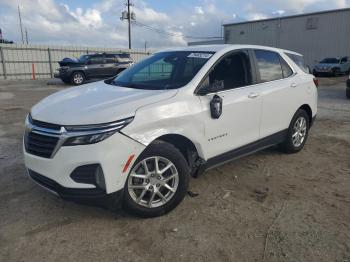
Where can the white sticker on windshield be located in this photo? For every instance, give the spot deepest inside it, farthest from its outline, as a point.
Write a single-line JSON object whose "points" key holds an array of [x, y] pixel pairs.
{"points": [[200, 55]]}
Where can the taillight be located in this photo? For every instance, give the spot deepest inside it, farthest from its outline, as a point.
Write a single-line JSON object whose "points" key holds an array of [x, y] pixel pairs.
{"points": [[316, 82]]}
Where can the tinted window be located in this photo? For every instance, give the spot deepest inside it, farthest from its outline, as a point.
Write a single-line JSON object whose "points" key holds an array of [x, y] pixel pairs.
{"points": [[330, 61], [96, 60], [269, 65], [287, 71], [344, 60], [231, 72], [299, 61], [164, 70], [84, 58], [124, 55]]}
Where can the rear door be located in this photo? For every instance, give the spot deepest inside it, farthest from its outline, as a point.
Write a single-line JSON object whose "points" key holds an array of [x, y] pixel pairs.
{"points": [[111, 68], [278, 88]]}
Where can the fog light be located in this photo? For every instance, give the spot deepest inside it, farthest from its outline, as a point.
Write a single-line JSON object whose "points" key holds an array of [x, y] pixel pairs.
{"points": [[89, 174]]}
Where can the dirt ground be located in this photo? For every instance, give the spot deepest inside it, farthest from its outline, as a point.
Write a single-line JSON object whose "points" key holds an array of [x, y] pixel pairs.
{"points": [[265, 207]]}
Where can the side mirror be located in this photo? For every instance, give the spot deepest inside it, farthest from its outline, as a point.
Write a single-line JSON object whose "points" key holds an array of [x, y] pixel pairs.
{"points": [[216, 107]]}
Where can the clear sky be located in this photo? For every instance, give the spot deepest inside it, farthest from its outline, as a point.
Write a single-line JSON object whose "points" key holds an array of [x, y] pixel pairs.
{"points": [[97, 23]]}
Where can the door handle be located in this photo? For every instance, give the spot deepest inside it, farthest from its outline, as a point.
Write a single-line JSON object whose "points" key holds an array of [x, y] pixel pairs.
{"points": [[294, 85], [253, 95]]}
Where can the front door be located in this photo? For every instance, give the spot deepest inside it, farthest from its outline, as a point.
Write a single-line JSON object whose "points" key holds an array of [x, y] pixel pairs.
{"points": [[238, 124], [95, 66]]}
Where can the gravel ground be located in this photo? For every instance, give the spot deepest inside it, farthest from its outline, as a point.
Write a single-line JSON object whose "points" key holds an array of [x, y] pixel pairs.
{"points": [[268, 206]]}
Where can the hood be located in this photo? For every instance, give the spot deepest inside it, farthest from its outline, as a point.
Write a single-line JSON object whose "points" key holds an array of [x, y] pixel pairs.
{"points": [[326, 65], [95, 103]]}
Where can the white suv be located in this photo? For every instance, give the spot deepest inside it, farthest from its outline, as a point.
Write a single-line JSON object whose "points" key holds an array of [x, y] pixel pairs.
{"points": [[138, 137]]}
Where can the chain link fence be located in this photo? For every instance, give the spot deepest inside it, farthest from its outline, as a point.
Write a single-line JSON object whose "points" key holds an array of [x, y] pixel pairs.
{"points": [[41, 61]]}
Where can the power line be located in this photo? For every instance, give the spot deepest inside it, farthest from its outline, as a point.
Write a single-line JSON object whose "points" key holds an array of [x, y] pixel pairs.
{"points": [[163, 32]]}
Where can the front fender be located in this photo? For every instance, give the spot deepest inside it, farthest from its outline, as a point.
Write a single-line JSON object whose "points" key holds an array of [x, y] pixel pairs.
{"points": [[174, 116]]}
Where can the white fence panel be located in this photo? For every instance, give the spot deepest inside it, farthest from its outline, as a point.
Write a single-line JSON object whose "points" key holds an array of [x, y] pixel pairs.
{"points": [[41, 61]]}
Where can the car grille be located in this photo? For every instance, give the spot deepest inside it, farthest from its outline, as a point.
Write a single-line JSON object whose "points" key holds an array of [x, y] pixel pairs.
{"points": [[40, 145], [45, 125]]}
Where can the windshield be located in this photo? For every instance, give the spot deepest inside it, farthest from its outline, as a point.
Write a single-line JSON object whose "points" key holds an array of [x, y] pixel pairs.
{"points": [[330, 61], [83, 58], [165, 70]]}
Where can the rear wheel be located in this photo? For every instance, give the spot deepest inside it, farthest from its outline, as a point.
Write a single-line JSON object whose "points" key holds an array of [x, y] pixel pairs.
{"points": [[77, 78], [157, 182], [297, 133]]}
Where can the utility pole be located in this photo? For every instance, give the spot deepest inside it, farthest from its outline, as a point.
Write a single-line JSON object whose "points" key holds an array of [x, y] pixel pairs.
{"points": [[129, 23], [20, 24], [130, 16], [26, 36]]}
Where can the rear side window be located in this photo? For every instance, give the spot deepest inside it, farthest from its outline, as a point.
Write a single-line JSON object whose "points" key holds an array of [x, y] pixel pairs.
{"points": [[287, 71], [299, 61], [269, 65]]}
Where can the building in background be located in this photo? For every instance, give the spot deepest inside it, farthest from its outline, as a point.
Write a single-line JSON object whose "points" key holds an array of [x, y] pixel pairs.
{"points": [[315, 35]]}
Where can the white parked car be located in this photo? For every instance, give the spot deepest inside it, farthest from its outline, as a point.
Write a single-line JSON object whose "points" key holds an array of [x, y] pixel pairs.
{"points": [[140, 136]]}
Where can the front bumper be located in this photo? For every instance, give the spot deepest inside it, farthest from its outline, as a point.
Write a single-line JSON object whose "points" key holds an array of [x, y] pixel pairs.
{"points": [[111, 154], [323, 71], [62, 74]]}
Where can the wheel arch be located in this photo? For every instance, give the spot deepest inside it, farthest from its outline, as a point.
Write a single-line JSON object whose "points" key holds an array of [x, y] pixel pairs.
{"points": [[308, 110], [76, 71], [185, 145]]}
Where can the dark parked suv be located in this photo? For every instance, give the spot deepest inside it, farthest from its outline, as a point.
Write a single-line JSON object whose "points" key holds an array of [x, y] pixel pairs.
{"points": [[76, 71]]}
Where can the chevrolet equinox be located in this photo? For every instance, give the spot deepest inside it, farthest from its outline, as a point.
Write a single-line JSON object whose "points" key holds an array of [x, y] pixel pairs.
{"points": [[137, 138]]}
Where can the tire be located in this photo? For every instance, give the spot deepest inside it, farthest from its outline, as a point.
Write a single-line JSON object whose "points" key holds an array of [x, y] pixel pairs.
{"points": [[139, 187], [348, 92], [77, 78], [291, 145], [336, 72]]}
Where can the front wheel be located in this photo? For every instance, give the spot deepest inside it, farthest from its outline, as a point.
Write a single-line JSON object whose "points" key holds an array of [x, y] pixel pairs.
{"points": [[336, 72], [158, 181], [77, 78], [297, 132]]}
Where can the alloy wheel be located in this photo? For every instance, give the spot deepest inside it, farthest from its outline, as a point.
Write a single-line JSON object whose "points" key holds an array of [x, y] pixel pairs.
{"points": [[78, 79], [153, 182], [299, 131]]}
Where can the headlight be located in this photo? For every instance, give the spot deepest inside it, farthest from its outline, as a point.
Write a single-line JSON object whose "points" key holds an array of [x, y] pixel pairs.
{"points": [[91, 134], [89, 139]]}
